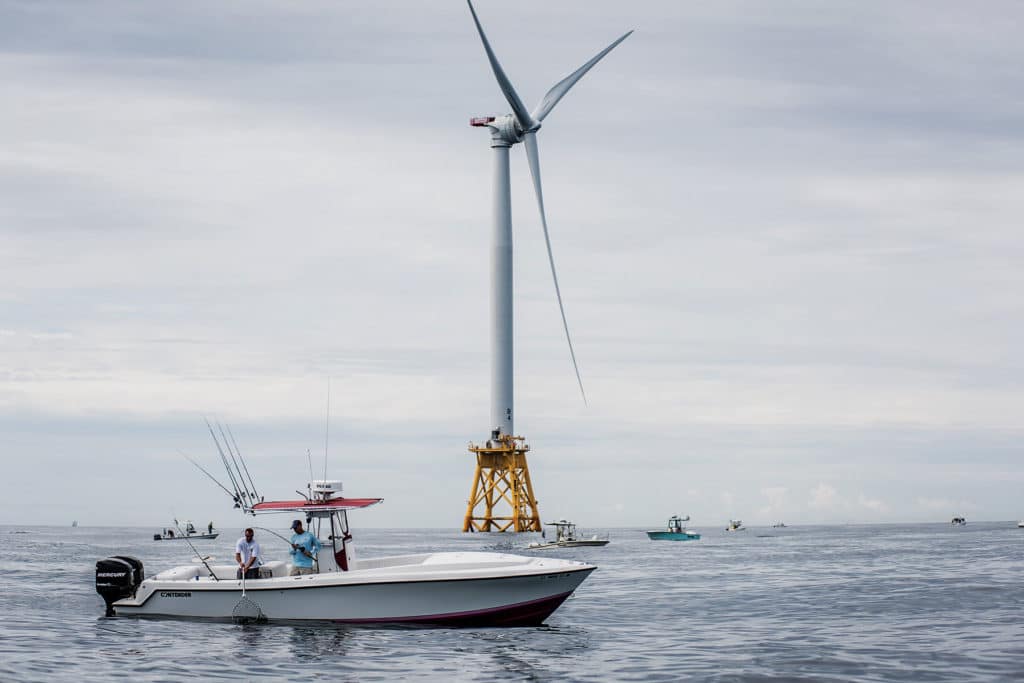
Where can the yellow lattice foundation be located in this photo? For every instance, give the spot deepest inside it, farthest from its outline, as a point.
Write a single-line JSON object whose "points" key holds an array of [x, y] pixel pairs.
{"points": [[502, 488]]}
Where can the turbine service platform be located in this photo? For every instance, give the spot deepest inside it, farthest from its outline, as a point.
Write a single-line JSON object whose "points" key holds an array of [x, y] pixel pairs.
{"points": [[502, 475]]}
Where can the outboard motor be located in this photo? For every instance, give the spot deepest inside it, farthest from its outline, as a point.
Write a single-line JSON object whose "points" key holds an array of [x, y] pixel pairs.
{"points": [[118, 577]]}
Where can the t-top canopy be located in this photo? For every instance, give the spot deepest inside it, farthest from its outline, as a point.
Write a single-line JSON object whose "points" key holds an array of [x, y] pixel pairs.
{"points": [[315, 505]]}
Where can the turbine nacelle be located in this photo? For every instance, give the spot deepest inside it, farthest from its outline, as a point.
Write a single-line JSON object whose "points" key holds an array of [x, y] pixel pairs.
{"points": [[505, 130]]}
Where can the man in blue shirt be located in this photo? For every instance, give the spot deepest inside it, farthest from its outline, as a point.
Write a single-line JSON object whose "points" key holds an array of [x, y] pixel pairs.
{"points": [[305, 546]]}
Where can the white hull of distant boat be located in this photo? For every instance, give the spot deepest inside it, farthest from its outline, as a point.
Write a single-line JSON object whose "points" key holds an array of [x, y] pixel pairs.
{"points": [[565, 537], [452, 588], [186, 537], [585, 543]]}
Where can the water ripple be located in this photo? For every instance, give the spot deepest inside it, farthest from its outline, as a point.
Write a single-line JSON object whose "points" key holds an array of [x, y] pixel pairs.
{"points": [[871, 603]]}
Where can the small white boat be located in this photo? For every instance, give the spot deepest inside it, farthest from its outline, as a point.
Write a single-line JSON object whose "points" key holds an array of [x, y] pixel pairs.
{"points": [[959, 521], [1020, 524], [735, 525], [169, 535], [565, 537], [779, 525], [190, 533], [447, 588]]}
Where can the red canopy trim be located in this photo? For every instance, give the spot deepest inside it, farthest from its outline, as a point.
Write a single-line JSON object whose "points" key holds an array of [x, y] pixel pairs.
{"points": [[315, 506]]}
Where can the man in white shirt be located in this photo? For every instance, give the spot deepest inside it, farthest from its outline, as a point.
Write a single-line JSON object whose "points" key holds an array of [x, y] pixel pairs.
{"points": [[247, 555]]}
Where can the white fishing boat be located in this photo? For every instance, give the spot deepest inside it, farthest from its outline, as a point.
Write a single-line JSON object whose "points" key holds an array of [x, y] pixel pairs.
{"points": [[735, 525], [190, 533], [566, 537], [446, 588], [1020, 524]]}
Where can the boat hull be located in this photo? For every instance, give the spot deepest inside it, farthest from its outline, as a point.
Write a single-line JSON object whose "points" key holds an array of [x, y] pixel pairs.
{"points": [[514, 598], [568, 544], [672, 536], [193, 537]]}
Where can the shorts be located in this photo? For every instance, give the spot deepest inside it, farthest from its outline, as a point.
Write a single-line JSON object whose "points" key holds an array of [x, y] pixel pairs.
{"points": [[250, 573], [301, 571]]}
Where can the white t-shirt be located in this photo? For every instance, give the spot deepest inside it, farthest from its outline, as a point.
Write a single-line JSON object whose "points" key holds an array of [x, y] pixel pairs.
{"points": [[248, 549]]}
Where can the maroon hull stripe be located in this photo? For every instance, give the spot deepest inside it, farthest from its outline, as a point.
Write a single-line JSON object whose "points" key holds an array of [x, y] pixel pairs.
{"points": [[532, 613]]}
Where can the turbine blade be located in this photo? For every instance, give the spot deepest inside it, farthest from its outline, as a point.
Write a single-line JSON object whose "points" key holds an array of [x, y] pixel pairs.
{"points": [[526, 122], [530, 141], [558, 92]]}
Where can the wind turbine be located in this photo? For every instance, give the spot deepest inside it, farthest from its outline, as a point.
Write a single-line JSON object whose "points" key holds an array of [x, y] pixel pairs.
{"points": [[519, 126]]}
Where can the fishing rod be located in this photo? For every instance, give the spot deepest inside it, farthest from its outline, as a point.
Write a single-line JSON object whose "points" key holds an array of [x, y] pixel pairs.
{"points": [[286, 540], [201, 558], [224, 461], [246, 467], [245, 487], [309, 458], [239, 500], [212, 478], [270, 531]]}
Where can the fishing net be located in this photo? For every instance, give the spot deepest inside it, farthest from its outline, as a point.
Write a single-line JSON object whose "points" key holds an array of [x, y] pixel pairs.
{"points": [[247, 611]]}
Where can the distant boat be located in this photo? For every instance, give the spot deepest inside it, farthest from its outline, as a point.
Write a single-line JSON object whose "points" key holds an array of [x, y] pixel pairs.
{"points": [[190, 534], [565, 537], [958, 521], [74, 523], [1020, 524], [779, 525], [735, 525], [676, 531]]}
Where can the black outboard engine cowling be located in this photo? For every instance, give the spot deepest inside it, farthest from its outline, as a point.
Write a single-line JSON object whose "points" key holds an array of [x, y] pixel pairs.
{"points": [[118, 577]]}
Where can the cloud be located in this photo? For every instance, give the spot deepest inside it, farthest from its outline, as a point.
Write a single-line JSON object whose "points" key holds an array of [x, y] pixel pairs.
{"points": [[778, 501], [824, 497], [872, 504], [934, 504], [945, 506], [817, 272]]}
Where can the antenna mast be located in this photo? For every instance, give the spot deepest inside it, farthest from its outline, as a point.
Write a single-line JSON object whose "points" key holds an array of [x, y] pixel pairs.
{"points": [[327, 426]]}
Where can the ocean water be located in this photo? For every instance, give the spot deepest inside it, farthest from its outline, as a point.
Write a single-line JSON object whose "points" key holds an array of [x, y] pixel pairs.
{"points": [[925, 602]]}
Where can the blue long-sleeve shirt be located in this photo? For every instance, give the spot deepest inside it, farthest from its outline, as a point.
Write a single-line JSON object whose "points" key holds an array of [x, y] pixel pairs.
{"points": [[310, 543]]}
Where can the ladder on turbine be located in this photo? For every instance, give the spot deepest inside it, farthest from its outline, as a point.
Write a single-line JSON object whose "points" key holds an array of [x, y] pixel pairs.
{"points": [[501, 488]]}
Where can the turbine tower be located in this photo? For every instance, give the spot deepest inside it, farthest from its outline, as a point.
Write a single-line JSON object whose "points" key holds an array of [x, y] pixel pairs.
{"points": [[502, 476]]}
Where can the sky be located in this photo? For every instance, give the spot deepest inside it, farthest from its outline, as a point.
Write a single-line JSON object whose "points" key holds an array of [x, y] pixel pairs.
{"points": [[787, 236]]}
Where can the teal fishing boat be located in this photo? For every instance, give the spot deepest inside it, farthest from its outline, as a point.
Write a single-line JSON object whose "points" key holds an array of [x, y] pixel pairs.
{"points": [[675, 531]]}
